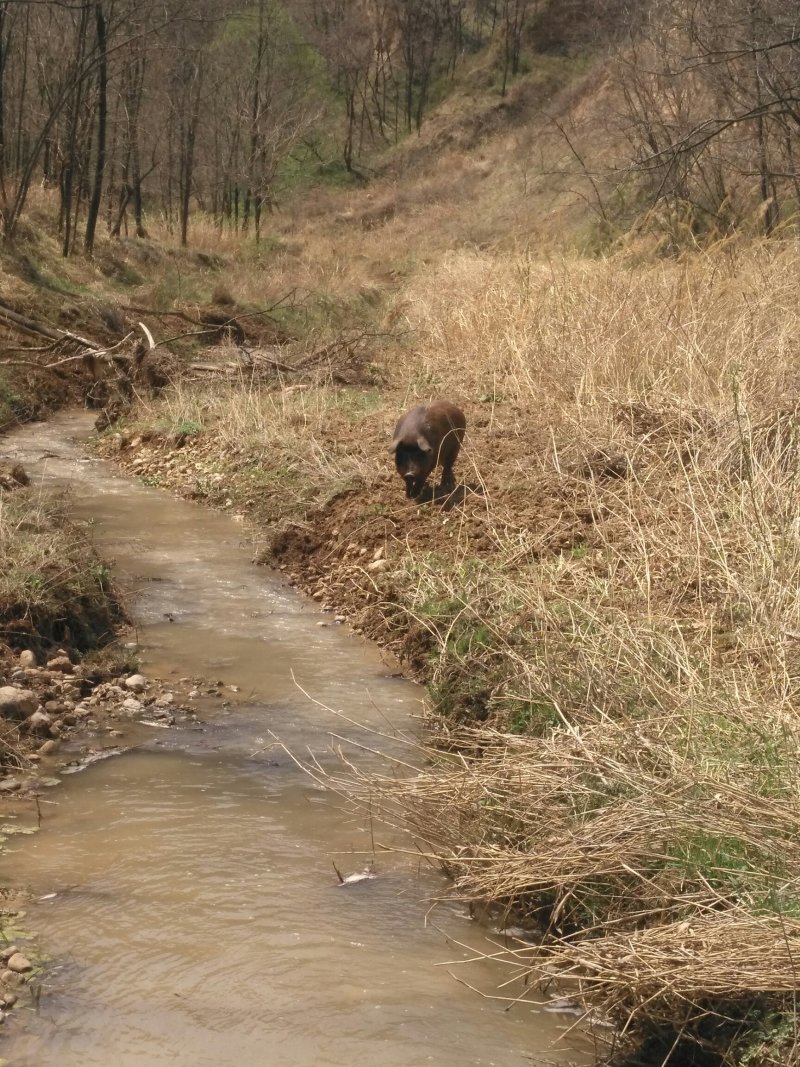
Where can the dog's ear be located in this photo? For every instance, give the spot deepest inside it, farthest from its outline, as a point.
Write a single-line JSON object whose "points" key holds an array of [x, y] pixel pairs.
{"points": [[423, 444], [394, 445]]}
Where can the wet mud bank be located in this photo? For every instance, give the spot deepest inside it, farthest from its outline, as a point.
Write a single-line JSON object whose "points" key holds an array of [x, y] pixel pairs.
{"points": [[183, 890]]}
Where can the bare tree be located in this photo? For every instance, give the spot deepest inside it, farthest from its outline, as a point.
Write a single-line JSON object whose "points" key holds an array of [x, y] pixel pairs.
{"points": [[712, 97]]}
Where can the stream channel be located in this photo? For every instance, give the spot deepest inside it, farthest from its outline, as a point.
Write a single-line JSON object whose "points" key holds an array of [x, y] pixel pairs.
{"points": [[193, 916]]}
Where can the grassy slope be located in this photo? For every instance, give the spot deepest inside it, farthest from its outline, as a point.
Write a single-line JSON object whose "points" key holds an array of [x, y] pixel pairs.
{"points": [[53, 589]]}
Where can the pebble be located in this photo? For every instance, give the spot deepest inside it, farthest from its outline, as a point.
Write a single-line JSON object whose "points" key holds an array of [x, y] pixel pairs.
{"points": [[378, 565], [36, 674], [8, 952], [39, 723], [48, 748], [10, 785], [27, 659], [6, 977], [17, 703], [19, 964], [10, 999], [133, 705], [136, 682], [340, 618], [63, 664]]}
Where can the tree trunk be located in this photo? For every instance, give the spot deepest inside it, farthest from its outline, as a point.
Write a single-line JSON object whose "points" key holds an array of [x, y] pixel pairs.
{"points": [[102, 111]]}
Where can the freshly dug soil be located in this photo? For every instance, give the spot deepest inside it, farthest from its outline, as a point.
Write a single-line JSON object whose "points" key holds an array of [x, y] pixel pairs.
{"points": [[344, 549]]}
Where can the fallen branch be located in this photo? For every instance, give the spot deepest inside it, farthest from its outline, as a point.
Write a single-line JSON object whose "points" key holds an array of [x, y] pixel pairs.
{"points": [[40, 329]]}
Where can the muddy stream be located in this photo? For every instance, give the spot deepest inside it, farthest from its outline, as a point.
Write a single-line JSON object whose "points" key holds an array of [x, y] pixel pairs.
{"points": [[193, 916]]}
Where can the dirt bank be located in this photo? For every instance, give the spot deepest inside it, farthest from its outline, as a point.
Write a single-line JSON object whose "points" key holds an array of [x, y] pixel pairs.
{"points": [[346, 544]]}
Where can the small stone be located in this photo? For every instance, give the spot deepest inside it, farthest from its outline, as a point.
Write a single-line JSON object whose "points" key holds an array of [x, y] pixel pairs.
{"points": [[10, 999], [38, 723], [48, 748], [378, 553], [378, 565], [63, 664], [340, 618], [17, 703], [163, 700], [19, 964], [136, 682], [55, 730], [193, 694], [133, 705], [70, 718], [322, 624], [6, 976], [8, 952], [115, 733], [27, 659], [10, 785], [53, 707]]}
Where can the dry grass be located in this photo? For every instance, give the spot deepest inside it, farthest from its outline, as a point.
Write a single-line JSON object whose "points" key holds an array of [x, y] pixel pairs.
{"points": [[653, 821], [282, 449], [53, 588]]}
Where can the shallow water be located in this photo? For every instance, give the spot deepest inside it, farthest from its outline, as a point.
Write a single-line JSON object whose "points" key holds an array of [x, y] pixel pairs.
{"points": [[196, 917]]}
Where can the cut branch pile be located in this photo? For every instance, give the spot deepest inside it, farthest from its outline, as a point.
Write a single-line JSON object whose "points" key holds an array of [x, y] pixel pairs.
{"points": [[344, 361], [115, 371]]}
